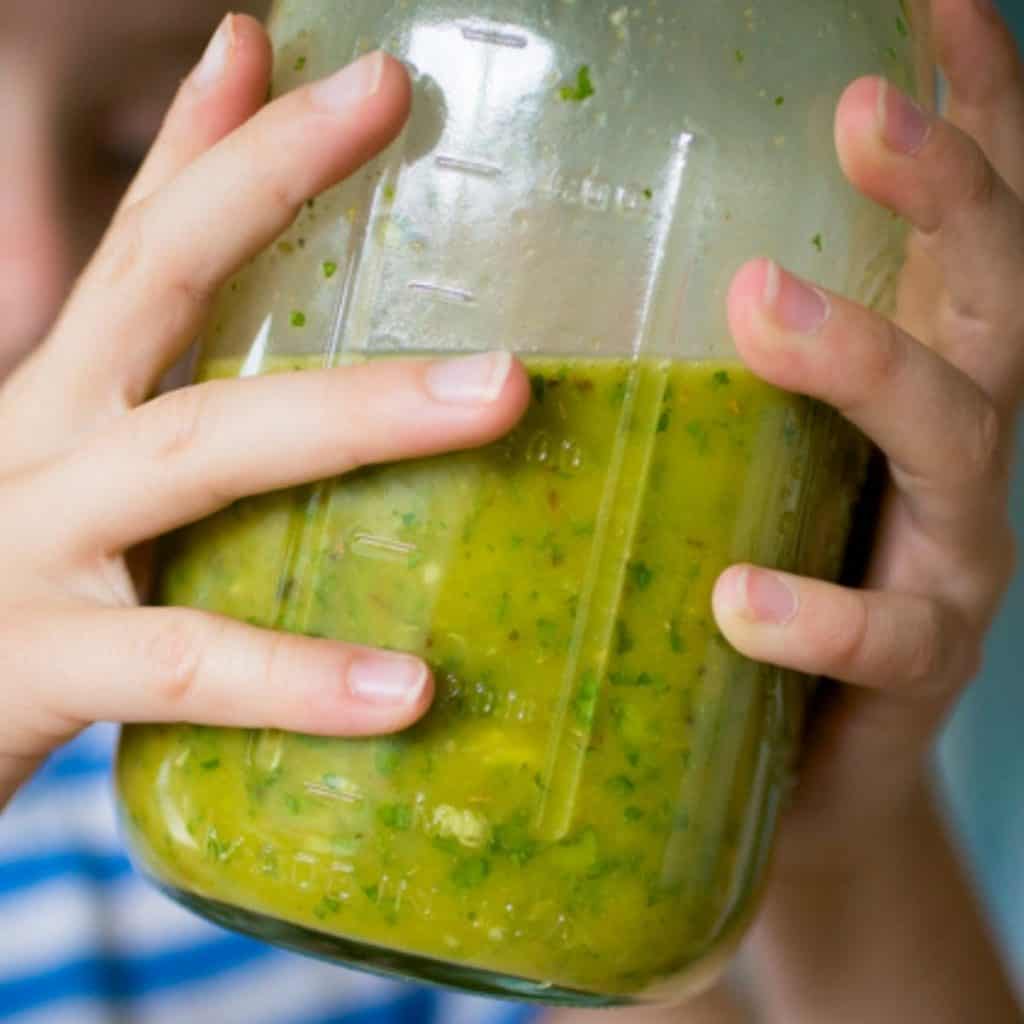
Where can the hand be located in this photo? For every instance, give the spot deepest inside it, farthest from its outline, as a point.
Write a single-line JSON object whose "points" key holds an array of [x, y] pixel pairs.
{"points": [[90, 468], [938, 391], [863, 874]]}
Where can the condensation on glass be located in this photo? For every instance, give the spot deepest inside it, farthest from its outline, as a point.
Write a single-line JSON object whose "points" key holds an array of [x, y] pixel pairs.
{"points": [[586, 814]]}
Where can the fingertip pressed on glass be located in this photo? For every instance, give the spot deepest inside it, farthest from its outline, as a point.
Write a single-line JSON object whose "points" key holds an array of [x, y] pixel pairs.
{"points": [[586, 814]]}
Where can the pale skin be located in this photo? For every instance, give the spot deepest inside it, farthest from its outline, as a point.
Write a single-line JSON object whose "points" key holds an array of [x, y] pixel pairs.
{"points": [[91, 468]]}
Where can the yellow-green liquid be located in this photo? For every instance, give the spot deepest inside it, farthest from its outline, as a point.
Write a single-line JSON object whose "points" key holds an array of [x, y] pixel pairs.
{"points": [[589, 803]]}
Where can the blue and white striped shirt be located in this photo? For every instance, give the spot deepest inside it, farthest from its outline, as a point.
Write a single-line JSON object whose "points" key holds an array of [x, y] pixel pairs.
{"points": [[85, 940]]}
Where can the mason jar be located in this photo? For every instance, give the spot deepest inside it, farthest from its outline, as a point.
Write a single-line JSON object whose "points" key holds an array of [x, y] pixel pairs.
{"points": [[586, 814]]}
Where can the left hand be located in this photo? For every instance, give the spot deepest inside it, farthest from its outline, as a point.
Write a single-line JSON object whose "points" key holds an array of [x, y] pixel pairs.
{"points": [[938, 390]]}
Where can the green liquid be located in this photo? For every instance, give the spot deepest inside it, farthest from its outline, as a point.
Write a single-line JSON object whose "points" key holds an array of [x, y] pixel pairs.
{"points": [[590, 801]]}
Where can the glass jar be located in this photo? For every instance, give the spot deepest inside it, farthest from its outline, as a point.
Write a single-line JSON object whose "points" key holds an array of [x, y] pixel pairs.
{"points": [[586, 814]]}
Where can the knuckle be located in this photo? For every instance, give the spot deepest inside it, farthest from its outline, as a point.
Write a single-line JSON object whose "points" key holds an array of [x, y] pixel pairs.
{"points": [[174, 654], [847, 645], [881, 363], [925, 658], [977, 182], [174, 424], [122, 249], [982, 454]]}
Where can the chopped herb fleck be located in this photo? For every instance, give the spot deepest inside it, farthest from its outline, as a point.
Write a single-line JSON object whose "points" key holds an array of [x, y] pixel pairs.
{"points": [[623, 637], [330, 268], [326, 907], [901, 27], [640, 575], [300, 64], [211, 765], [780, 100], [582, 90], [298, 319], [621, 785], [584, 704], [396, 816], [471, 872], [387, 757], [740, 56], [664, 420], [648, 193], [721, 379], [818, 243]]}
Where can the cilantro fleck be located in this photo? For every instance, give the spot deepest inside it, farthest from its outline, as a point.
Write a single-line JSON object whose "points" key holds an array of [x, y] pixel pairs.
{"points": [[817, 242], [539, 387], [640, 575], [663, 421], [326, 907], [621, 785], [330, 268], [211, 765], [396, 816], [513, 840], [721, 379], [623, 638], [584, 704], [901, 27], [648, 193], [633, 814], [300, 64], [780, 100], [675, 638], [740, 56], [471, 872], [298, 319], [387, 757], [582, 90]]}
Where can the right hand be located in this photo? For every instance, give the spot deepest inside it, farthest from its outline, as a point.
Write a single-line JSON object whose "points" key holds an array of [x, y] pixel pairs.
{"points": [[90, 468]]}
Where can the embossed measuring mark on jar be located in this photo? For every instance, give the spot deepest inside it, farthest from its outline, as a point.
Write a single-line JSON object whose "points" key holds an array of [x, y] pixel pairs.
{"points": [[443, 293], [480, 699], [382, 549], [482, 33], [596, 194], [479, 168]]}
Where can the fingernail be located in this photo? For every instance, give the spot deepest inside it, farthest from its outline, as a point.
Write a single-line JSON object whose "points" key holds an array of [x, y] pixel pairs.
{"points": [[760, 596], [470, 380], [796, 306], [350, 85], [387, 678], [905, 127], [214, 60]]}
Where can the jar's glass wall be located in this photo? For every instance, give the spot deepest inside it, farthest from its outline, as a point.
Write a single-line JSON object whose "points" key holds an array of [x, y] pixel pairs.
{"points": [[586, 813]]}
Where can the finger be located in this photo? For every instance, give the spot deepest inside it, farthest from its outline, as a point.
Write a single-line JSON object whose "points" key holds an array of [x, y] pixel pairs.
{"points": [[144, 297], [225, 89], [969, 223], [178, 665], [981, 60], [908, 645], [189, 453], [941, 433]]}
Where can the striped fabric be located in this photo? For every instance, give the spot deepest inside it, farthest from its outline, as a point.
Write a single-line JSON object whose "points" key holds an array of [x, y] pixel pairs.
{"points": [[84, 940]]}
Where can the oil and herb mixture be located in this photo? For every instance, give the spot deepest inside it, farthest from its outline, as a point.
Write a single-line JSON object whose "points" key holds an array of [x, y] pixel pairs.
{"points": [[580, 807]]}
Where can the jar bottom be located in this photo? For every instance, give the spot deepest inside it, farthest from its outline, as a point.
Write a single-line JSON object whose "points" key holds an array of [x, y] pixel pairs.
{"points": [[386, 962]]}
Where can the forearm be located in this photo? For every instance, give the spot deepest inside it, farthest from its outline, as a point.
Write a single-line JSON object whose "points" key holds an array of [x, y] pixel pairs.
{"points": [[895, 936]]}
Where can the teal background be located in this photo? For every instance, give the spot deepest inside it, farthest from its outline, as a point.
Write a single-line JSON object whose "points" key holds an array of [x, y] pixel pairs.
{"points": [[983, 752]]}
